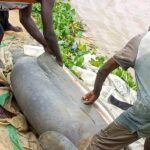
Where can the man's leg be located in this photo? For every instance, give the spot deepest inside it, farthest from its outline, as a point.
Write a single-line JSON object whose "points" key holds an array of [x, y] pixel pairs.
{"points": [[8, 26], [1, 33], [147, 144], [114, 137], [1, 38], [30, 26], [1, 26]]}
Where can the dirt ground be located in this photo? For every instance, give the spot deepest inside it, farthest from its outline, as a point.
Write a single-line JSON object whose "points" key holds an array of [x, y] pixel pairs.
{"points": [[21, 38]]}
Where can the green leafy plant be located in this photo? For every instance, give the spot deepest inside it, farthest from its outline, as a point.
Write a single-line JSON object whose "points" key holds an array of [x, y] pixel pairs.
{"points": [[68, 30], [126, 76], [98, 62]]}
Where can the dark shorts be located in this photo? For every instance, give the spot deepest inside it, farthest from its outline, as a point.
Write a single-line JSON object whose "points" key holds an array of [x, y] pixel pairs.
{"points": [[4, 24]]}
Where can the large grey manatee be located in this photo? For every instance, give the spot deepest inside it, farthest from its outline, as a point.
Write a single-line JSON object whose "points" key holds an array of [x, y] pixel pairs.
{"points": [[51, 100]]}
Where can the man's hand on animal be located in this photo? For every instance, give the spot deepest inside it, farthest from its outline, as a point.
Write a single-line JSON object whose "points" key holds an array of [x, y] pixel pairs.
{"points": [[102, 74], [89, 98]]}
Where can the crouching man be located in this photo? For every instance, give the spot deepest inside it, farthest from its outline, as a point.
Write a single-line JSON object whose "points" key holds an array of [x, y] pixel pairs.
{"points": [[133, 123]]}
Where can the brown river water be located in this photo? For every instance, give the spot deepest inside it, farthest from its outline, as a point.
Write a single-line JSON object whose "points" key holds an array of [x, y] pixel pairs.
{"points": [[111, 23]]}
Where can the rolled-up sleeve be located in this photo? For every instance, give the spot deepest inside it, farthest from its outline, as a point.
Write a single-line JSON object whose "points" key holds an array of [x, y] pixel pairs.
{"points": [[127, 56]]}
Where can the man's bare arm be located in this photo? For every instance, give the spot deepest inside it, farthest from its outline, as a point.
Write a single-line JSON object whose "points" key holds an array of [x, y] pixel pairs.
{"points": [[29, 24], [49, 34], [102, 74]]}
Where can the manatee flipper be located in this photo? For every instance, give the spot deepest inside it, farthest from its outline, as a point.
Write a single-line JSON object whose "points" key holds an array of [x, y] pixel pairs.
{"points": [[52, 140]]}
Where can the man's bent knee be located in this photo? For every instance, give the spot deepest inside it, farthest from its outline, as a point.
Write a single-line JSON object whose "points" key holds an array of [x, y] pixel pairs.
{"points": [[114, 137]]}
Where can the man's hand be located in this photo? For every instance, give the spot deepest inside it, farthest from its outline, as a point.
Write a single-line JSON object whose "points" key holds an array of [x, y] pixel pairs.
{"points": [[58, 59], [90, 98], [48, 50]]}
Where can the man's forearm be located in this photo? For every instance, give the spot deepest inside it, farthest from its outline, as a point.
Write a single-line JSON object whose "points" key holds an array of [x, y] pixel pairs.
{"points": [[30, 26], [102, 74], [53, 44], [100, 78], [48, 30]]}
